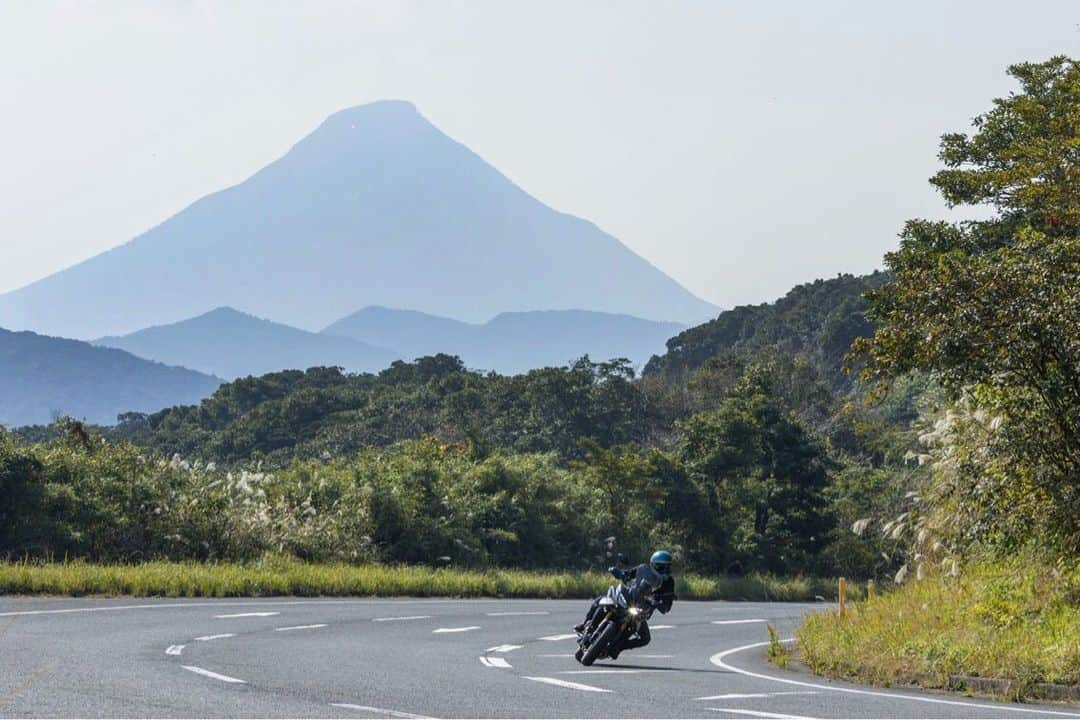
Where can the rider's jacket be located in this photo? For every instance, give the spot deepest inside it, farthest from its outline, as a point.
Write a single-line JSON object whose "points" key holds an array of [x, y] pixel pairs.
{"points": [[662, 590]]}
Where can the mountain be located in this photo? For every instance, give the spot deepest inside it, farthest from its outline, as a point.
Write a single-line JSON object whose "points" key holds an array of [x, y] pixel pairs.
{"points": [[43, 377], [510, 342], [413, 334], [231, 344], [375, 207]]}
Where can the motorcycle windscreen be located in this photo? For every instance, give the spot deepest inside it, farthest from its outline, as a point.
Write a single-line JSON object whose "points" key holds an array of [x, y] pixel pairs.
{"points": [[646, 581]]}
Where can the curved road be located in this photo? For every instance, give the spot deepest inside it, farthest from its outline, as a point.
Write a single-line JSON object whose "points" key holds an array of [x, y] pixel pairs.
{"points": [[360, 658]]}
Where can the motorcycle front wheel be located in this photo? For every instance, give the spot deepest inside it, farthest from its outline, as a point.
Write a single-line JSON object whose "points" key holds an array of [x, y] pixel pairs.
{"points": [[606, 636]]}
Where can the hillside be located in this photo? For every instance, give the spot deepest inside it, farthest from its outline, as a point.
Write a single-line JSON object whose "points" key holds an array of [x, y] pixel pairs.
{"points": [[510, 343], [231, 344], [375, 207], [818, 320], [43, 377]]}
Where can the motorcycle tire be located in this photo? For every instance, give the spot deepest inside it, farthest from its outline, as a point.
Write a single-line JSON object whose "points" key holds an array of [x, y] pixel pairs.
{"points": [[607, 635]]}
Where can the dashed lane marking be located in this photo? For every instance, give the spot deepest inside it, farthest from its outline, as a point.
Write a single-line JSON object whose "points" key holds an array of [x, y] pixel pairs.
{"points": [[257, 603], [219, 636], [214, 675], [517, 612], [300, 627], [663, 627], [381, 711], [752, 696], [565, 684], [556, 638], [504, 648], [718, 660], [495, 662], [250, 614], [608, 671], [762, 714], [738, 622], [456, 630], [174, 649], [400, 617]]}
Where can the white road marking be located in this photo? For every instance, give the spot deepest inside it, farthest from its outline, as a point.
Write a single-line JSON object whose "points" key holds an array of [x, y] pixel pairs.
{"points": [[738, 622], [566, 684], [508, 614], [456, 630], [560, 655], [760, 714], [219, 636], [300, 627], [381, 711], [662, 627], [250, 614], [214, 675], [750, 696], [174, 649], [718, 660], [555, 638], [607, 671], [272, 603], [504, 648], [400, 617], [495, 662]]}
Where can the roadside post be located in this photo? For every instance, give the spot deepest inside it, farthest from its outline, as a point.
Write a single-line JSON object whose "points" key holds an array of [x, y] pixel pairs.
{"points": [[870, 589], [843, 596]]}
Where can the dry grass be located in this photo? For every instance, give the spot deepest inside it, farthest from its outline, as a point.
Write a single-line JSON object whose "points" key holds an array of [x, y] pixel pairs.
{"points": [[1018, 620], [284, 576]]}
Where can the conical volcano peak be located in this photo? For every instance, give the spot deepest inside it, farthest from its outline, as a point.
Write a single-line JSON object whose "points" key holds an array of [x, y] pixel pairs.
{"points": [[376, 117], [376, 206]]}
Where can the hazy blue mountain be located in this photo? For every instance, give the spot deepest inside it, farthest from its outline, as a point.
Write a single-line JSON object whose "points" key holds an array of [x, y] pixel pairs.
{"points": [[510, 342], [412, 334], [231, 344], [375, 207], [43, 377]]}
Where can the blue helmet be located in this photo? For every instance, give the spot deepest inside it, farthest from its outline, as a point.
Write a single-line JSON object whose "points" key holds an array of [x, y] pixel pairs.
{"points": [[661, 563]]}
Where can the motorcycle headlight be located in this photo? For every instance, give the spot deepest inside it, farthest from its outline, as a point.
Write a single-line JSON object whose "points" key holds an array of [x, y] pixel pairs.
{"points": [[634, 611]]}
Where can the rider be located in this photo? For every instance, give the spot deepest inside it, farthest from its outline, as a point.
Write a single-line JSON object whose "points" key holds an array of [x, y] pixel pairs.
{"points": [[664, 596]]}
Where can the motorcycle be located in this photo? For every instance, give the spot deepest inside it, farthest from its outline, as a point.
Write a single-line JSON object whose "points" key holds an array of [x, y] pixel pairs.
{"points": [[620, 612]]}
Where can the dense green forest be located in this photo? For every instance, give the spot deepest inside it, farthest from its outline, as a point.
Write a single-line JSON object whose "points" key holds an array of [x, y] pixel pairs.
{"points": [[932, 408]]}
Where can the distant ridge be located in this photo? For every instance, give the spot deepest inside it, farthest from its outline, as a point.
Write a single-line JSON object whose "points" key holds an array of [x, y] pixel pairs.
{"points": [[375, 207], [231, 344], [43, 377], [511, 342]]}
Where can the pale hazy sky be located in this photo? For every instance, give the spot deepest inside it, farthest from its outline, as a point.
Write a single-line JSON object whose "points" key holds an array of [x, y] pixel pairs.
{"points": [[742, 147]]}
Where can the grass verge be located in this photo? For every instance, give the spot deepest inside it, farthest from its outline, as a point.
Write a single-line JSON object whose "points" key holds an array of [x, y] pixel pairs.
{"points": [[1016, 620], [284, 576]]}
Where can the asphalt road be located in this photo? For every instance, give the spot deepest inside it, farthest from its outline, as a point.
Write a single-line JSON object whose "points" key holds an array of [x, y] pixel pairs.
{"points": [[417, 658]]}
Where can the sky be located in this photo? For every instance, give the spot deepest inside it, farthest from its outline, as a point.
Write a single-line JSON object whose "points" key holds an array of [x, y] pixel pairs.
{"points": [[741, 147]]}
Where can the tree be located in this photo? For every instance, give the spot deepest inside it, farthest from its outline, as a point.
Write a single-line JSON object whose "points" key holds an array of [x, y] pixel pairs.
{"points": [[768, 477], [992, 308]]}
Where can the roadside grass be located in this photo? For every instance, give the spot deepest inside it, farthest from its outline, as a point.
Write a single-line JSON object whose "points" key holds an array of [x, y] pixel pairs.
{"points": [[285, 576], [777, 653], [1017, 620]]}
